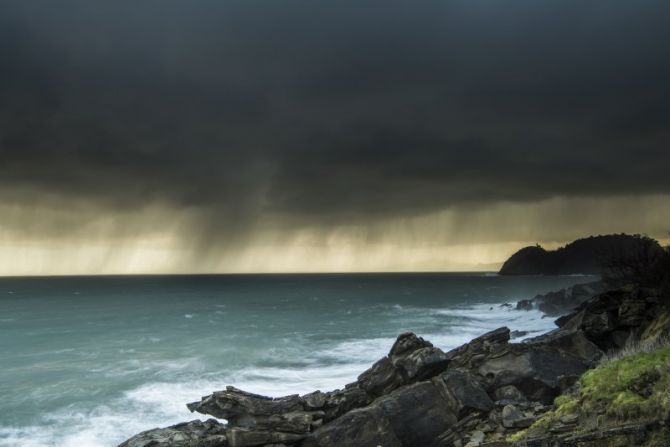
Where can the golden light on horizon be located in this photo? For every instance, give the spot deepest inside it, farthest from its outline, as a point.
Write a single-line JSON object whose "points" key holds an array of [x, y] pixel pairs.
{"points": [[44, 241]]}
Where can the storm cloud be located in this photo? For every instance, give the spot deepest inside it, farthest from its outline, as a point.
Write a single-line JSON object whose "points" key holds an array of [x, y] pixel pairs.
{"points": [[245, 115]]}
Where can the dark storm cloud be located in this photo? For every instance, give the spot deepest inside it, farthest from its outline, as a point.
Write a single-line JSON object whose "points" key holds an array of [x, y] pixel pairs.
{"points": [[338, 110]]}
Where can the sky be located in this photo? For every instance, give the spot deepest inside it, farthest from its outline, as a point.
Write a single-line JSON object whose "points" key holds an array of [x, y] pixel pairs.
{"points": [[298, 136]]}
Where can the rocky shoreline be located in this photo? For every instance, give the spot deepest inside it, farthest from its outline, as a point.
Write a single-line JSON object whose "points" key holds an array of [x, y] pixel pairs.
{"points": [[479, 394]]}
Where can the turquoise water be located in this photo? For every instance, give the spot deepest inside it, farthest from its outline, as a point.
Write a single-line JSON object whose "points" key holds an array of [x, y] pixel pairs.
{"points": [[89, 361]]}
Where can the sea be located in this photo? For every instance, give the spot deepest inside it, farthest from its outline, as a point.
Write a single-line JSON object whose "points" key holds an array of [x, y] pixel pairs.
{"points": [[90, 361]]}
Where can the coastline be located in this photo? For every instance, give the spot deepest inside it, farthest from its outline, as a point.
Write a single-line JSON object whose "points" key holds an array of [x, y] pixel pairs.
{"points": [[481, 393]]}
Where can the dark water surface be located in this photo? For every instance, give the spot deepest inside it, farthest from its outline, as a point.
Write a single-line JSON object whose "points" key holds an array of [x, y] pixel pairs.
{"points": [[89, 361]]}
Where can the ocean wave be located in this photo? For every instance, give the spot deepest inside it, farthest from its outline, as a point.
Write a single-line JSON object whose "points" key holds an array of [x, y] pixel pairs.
{"points": [[295, 365]]}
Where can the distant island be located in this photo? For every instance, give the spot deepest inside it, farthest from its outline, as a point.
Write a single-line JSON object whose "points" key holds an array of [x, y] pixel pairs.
{"points": [[589, 256]]}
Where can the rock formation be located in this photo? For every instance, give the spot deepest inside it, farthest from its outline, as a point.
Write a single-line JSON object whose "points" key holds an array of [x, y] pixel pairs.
{"points": [[475, 395]]}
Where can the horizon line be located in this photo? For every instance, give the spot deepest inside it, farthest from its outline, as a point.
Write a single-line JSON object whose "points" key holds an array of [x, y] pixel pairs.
{"points": [[371, 272]]}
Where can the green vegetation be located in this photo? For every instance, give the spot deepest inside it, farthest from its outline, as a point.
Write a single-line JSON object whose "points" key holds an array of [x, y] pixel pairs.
{"points": [[630, 389]]}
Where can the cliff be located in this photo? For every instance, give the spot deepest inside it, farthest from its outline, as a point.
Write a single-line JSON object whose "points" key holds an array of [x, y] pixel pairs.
{"points": [[591, 255]]}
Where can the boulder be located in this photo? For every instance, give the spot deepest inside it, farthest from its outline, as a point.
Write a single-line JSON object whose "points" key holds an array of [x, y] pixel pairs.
{"points": [[406, 343], [409, 416], [383, 377], [572, 342], [417, 413], [422, 364], [411, 359], [470, 355], [463, 392], [210, 433], [360, 427], [536, 370]]}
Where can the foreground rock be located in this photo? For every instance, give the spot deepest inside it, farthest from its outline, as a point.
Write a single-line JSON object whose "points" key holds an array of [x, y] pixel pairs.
{"points": [[188, 434], [478, 394]]}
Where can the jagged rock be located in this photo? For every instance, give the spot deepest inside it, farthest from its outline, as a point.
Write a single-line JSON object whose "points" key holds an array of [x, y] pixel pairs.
{"points": [[314, 401], [463, 392], [406, 343], [238, 406], [210, 433], [513, 418], [339, 402], [470, 355], [411, 359], [419, 395], [383, 377], [422, 364]]}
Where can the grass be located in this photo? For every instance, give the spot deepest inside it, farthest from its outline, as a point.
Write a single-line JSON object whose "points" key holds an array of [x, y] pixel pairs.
{"points": [[630, 386]]}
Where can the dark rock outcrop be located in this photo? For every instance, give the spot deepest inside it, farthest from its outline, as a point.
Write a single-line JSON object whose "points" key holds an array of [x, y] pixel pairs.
{"points": [[562, 301], [417, 395], [188, 434], [583, 256]]}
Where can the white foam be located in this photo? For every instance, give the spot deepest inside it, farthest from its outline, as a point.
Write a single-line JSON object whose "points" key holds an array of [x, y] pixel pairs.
{"points": [[162, 403]]}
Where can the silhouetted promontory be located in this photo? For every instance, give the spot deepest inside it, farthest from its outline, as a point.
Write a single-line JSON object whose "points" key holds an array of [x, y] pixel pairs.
{"points": [[590, 255]]}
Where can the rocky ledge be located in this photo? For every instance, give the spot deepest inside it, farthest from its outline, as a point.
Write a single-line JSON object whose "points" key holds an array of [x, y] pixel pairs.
{"points": [[480, 394]]}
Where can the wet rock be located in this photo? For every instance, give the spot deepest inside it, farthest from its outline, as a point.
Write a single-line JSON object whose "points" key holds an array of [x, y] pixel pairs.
{"points": [[524, 305], [518, 334], [210, 433]]}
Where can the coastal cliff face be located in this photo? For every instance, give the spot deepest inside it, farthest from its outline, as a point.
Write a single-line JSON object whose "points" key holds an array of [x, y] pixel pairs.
{"points": [[583, 256], [489, 392]]}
